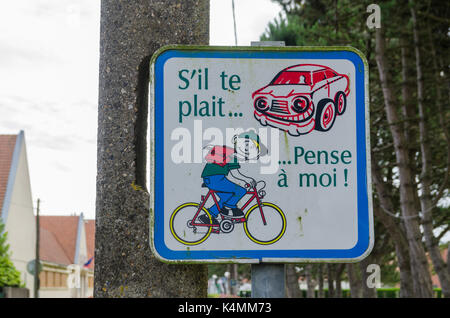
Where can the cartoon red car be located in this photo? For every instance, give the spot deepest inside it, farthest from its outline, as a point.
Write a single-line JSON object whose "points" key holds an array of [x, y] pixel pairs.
{"points": [[302, 98]]}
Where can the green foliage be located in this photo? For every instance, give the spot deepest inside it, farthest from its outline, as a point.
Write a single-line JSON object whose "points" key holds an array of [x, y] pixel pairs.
{"points": [[9, 275], [324, 22], [281, 30], [219, 270]]}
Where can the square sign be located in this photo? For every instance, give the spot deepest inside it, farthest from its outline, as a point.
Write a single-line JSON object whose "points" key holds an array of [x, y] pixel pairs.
{"points": [[260, 154]]}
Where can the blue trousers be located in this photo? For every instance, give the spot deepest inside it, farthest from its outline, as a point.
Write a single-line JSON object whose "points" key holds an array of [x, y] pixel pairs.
{"points": [[229, 195]]}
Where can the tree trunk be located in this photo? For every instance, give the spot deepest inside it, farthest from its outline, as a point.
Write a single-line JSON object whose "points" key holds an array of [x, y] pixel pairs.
{"points": [[421, 274], [321, 293], [292, 287], [409, 110], [404, 264], [354, 281], [394, 229], [408, 104], [367, 292], [425, 177], [401, 248], [130, 32], [338, 276], [235, 278], [330, 270], [309, 281]]}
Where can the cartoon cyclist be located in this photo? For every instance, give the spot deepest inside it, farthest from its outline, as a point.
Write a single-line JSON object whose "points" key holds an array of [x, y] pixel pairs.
{"points": [[222, 161]]}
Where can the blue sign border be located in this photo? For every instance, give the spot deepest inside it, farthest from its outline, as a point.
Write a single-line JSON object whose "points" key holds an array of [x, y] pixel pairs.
{"points": [[365, 224]]}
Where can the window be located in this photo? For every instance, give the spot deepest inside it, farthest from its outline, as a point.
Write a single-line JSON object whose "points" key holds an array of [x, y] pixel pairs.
{"points": [[330, 74], [319, 76], [292, 78], [50, 279]]}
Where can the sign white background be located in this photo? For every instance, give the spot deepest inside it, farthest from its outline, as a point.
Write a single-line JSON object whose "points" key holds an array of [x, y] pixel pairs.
{"points": [[328, 214]]}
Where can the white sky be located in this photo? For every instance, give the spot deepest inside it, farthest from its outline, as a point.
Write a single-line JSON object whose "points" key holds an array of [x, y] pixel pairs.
{"points": [[49, 87]]}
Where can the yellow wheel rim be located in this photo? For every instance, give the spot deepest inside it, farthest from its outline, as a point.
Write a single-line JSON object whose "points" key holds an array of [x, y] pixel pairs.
{"points": [[283, 230], [175, 235]]}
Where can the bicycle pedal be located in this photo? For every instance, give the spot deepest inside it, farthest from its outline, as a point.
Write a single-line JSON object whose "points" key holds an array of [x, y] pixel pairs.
{"points": [[239, 220], [217, 231]]}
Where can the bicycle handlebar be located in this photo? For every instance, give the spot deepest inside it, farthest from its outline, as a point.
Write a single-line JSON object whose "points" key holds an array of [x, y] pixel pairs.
{"points": [[248, 185]]}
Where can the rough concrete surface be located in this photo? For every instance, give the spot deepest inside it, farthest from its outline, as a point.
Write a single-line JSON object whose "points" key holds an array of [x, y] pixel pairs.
{"points": [[130, 32]]}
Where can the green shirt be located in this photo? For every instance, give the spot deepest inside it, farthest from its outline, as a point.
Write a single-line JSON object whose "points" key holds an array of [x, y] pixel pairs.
{"points": [[212, 169]]}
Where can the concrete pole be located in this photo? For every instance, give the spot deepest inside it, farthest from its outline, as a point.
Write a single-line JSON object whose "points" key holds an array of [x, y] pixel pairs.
{"points": [[130, 32], [268, 281]]}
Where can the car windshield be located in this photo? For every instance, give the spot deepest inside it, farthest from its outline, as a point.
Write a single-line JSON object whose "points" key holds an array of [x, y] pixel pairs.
{"points": [[292, 78]]}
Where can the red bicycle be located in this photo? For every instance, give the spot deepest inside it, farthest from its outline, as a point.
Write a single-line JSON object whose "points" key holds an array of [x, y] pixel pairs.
{"points": [[264, 223]]}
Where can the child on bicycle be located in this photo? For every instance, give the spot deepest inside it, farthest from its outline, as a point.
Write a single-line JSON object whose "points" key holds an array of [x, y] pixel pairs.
{"points": [[221, 161]]}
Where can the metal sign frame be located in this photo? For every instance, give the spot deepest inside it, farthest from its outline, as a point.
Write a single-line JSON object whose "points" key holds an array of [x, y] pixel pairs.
{"points": [[365, 230]]}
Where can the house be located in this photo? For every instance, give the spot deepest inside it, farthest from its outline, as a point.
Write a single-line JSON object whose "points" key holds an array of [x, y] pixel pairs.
{"points": [[66, 243], [89, 226], [16, 204], [66, 253]]}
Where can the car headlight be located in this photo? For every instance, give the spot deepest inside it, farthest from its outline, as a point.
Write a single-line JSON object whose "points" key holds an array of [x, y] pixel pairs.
{"points": [[261, 104], [300, 104]]}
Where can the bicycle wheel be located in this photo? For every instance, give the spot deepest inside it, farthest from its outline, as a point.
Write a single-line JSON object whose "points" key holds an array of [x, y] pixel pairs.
{"points": [[270, 232], [182, 228]]}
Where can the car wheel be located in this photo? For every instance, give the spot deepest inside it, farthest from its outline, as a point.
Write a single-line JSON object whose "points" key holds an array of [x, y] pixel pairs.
{"points": [[326, 114], [341, 103]]}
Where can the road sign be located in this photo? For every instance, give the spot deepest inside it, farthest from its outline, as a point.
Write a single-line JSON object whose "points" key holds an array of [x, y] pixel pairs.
{"points": [[31, 267], [260, 154]]}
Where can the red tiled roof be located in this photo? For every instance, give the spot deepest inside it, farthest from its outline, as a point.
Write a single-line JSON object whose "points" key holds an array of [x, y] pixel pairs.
{"points": [[50, 250], [89, 226], [64, 230], [7, 144]]}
